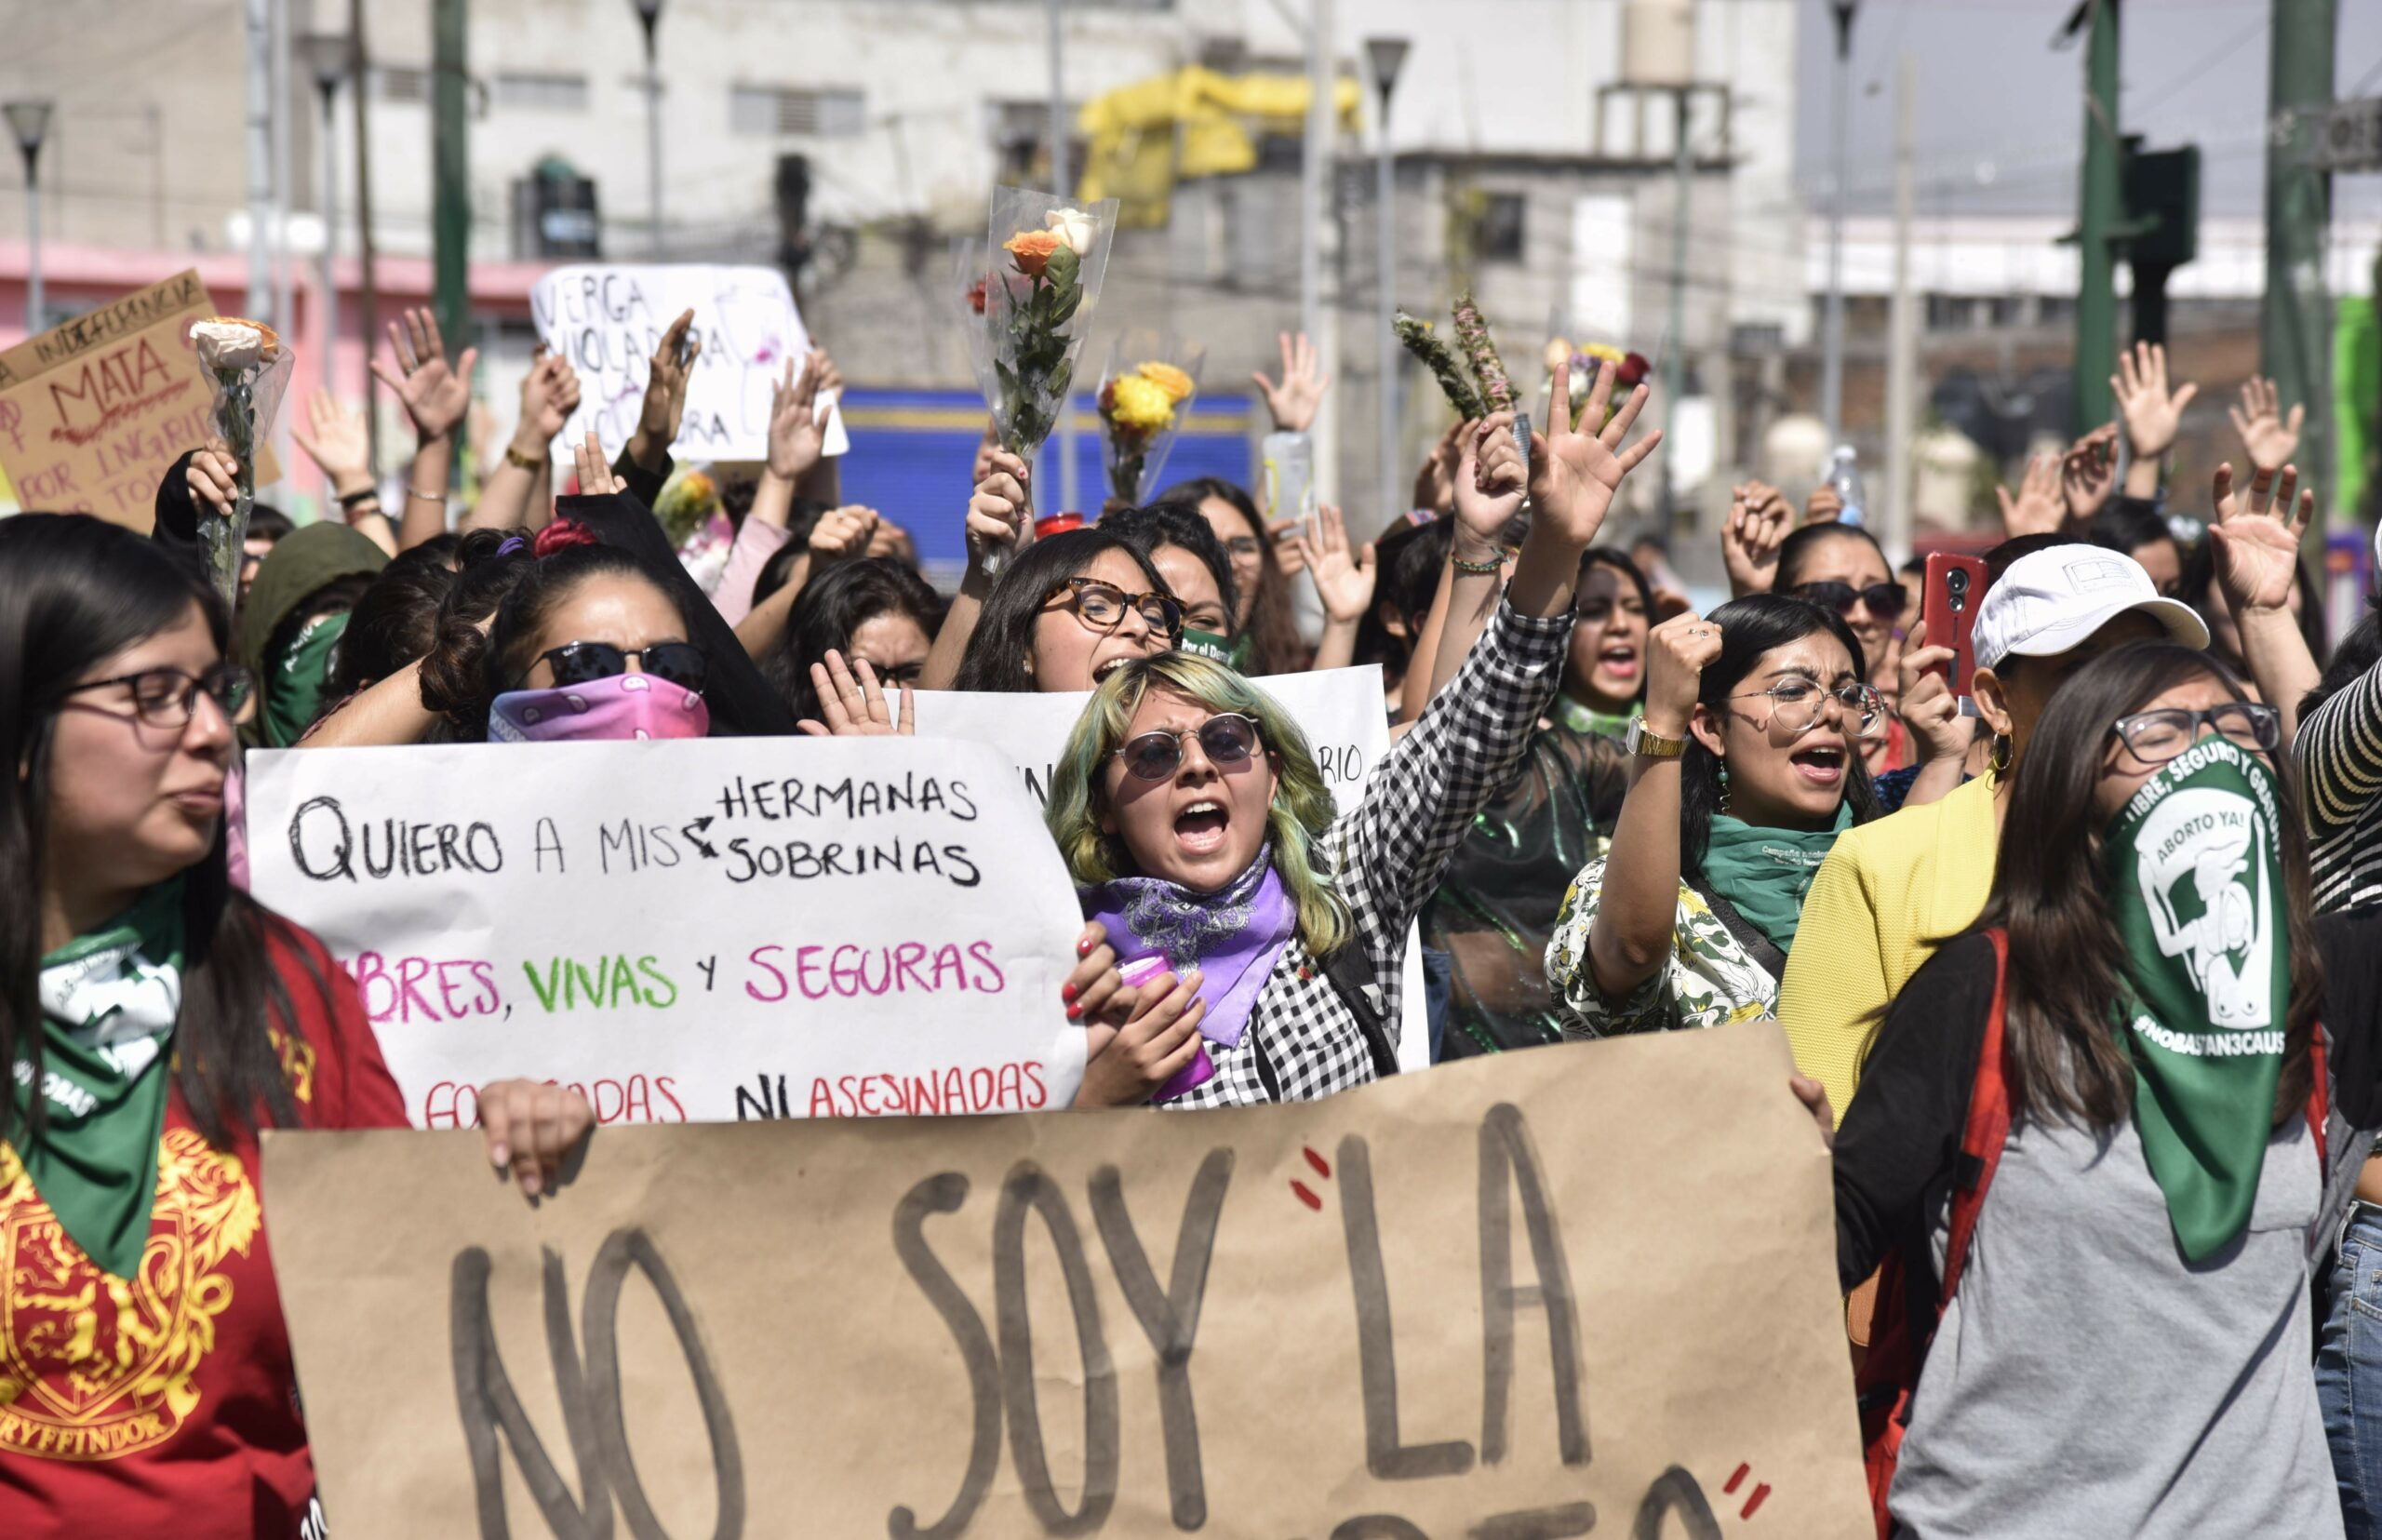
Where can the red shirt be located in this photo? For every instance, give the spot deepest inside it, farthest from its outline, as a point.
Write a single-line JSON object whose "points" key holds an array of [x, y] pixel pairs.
{"points": [[167, 1404]]}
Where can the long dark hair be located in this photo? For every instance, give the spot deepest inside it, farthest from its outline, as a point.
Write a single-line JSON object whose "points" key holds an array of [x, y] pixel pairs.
{"points": [[833, 605], [2066, 962], [1273, 630], [1004, 634], [1147, 528], [1632, 580], [397, 621], [1749, 627], [74, 592]]}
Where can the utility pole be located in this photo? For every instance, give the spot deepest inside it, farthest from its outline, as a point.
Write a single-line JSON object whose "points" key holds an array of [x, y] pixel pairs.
{"points": [[2099, 218], [1902, 320], [359, 70], [1062, 187], [450, 177], [1832, 358], [1674, 359], [2296, 322], [1387, 56], [260, 41], [284, 317], [1320, 322]]}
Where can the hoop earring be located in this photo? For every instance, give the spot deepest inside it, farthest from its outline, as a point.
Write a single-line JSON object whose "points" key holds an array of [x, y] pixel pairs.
{"points": [[2005, 750]]}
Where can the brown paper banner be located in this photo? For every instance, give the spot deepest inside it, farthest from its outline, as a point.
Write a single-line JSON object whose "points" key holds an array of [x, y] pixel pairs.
{"points": [[1581, 1287]]}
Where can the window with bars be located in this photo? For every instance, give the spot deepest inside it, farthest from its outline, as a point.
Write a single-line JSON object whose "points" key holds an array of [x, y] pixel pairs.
{"points": [[401, 82], [774, 111], [540, 92]]}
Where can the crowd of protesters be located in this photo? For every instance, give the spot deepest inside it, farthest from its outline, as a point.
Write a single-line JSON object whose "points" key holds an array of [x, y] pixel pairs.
{"points": [[2100, 1111]]}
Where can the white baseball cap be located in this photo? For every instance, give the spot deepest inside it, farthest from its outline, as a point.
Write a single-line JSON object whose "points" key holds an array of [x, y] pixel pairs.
{"points": [[2049, 600]]}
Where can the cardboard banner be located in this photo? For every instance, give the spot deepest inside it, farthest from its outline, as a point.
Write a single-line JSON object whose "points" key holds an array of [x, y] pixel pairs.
{"points": [[607, 320], [700, 930], [93, 412], [1532, 1295], [1339, 709]]}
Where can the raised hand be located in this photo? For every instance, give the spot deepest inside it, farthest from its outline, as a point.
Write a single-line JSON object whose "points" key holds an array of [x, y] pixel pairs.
{"points": [[1343, 581], [1285, 534], [1677, 652], [841, 534], [2088, 473], [212, 478], [854, 706], [665, 393], [1823, 506], [1929, 705], [549, 394], [1574, 474], [2268, 436], [798, 434], [1759, 520], [2037, 510], [1293, 402], [335, 438], [1488, 478], [999, 517], [1435, 483], [2257, 537], [435, 394], [595, 473], [2151, 411]]}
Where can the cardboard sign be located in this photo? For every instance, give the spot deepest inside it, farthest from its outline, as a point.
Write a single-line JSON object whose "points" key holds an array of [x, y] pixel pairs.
{"points": [[608, 320], [1339, 709], [93, 412], [699, 931], [1460, 1305]]}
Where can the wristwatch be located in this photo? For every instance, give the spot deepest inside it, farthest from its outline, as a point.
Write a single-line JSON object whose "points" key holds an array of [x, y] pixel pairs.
{"points": [[1653, 745]]}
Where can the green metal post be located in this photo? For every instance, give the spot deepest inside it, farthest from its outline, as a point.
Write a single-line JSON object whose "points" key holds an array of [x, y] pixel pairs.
{"points": [[451, 176], [2296, 325], [2100, 211]]}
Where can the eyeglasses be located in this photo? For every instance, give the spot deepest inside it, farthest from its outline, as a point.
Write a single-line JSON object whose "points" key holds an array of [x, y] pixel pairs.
{"points": [[168, 697], [2155, 737], [1227, 740], [1243, 546], [1885, 599], [1102, 606], [1795, 705], [893, 673], [682, 664]]}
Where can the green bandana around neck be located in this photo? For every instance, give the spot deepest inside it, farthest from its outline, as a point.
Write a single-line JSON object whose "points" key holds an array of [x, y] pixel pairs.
{"points": [[299, 677], [1585, 719], [108, 1002], [1223, 649], [1766, 872], [2194, 873]]}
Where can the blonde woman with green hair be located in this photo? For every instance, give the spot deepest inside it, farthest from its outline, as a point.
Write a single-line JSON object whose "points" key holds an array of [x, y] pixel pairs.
{"points": [[1264, 934]]}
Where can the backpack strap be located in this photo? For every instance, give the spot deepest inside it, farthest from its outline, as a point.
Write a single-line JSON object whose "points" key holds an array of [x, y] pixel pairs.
{"points": [[1351, 973], [1988, 1129], [1764, 951]]}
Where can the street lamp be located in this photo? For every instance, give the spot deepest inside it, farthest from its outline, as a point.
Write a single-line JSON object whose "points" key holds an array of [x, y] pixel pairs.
{"points": [[648, 15], [30, 121], [1386, 55], [1832, 357], [326, 56]]}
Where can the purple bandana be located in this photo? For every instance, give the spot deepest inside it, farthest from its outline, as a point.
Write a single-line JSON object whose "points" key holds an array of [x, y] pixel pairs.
{"points": [[1232, 936]]}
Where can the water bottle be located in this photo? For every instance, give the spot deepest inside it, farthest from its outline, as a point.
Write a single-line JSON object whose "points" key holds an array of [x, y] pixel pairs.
{"points": [[1290, 477], [1844, 474]]}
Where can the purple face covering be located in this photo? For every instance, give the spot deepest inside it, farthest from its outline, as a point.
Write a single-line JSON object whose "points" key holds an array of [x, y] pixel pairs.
{"points": [[1232, 936], [623, 708]]}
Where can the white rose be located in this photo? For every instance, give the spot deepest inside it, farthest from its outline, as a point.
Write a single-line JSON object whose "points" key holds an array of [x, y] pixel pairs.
{"points": [[1074, 227], [224, 345]]}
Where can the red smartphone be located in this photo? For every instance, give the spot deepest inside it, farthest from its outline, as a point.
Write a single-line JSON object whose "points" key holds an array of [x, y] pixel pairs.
{"points": [[1955, 587]]}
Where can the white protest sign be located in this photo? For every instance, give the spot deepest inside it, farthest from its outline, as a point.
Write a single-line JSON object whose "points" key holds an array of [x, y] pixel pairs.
{"points": [[1339, 709], [608, 321], [699, 930]]}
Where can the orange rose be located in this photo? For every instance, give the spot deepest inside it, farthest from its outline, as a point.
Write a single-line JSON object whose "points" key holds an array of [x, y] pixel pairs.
{"points": [[1032, 249]]}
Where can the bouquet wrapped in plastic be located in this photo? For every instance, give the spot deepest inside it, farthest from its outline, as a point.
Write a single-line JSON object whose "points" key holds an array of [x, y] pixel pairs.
{"points": [[246, 369], [1045, 260], [1148, 387]]}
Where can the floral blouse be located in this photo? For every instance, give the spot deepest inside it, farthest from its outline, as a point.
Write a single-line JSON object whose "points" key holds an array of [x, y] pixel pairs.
{"points": [[1708, 981]]}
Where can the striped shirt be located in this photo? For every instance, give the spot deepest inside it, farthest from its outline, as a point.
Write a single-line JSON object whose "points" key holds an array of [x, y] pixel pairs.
{"points": [[2340, 754]]}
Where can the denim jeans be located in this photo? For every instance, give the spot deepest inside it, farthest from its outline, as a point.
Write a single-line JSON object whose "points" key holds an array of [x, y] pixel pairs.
{"points": [[2348, 1372]]}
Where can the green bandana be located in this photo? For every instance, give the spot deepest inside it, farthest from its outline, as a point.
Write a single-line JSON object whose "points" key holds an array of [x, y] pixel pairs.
{"points": [[1223, 649], [298, 678], [1604, 724], [108, 1004], [1765, 873], [2194, 876]]}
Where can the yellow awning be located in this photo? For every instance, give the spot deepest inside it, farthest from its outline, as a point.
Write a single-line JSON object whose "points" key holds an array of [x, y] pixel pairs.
{"points": [[1148, 136]]}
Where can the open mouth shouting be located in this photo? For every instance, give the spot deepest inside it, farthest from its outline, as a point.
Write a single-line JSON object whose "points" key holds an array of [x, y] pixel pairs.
{"points": [[1200, 827], [1820, 764]]}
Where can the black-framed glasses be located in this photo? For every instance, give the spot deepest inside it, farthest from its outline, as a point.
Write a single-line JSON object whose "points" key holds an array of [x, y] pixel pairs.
{"points": [[1102, 606], [683, 663], [1795, 705], [2155, 737], [1244, 545], [1886, 600], [1227, 739], [168, 697]]}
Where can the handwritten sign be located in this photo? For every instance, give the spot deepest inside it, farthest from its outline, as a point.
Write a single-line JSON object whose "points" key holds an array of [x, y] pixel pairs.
{"points": [[688, 931], [608, 321], [1428, 1309], [92, 412], [1339, 709]]}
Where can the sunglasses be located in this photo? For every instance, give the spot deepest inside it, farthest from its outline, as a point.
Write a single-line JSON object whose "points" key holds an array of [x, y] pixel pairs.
{"points": [[1885, 599], [1102, 606], [1227, 740], [578, 663]]}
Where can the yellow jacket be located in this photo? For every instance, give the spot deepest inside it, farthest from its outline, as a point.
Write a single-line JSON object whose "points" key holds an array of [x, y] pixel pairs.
{"points": [[1887, 892]]}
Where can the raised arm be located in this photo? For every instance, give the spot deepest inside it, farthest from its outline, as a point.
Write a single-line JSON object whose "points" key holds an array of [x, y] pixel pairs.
{"points": [[2152, 412], [334, 437], [795, 441], [1488, 492], [997, 522], [2257, 534], [437, 396], [1343, 582], [549, 394]]}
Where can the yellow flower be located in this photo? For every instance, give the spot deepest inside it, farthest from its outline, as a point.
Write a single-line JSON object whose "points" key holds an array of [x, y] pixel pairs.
{"points": [[1166, 376], [1138, 405], [1605, 351]]}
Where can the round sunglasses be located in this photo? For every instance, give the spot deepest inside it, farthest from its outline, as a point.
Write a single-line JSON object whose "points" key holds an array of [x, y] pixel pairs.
{"points": [[682, 664], [1885, 600], [1227, 740]]}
